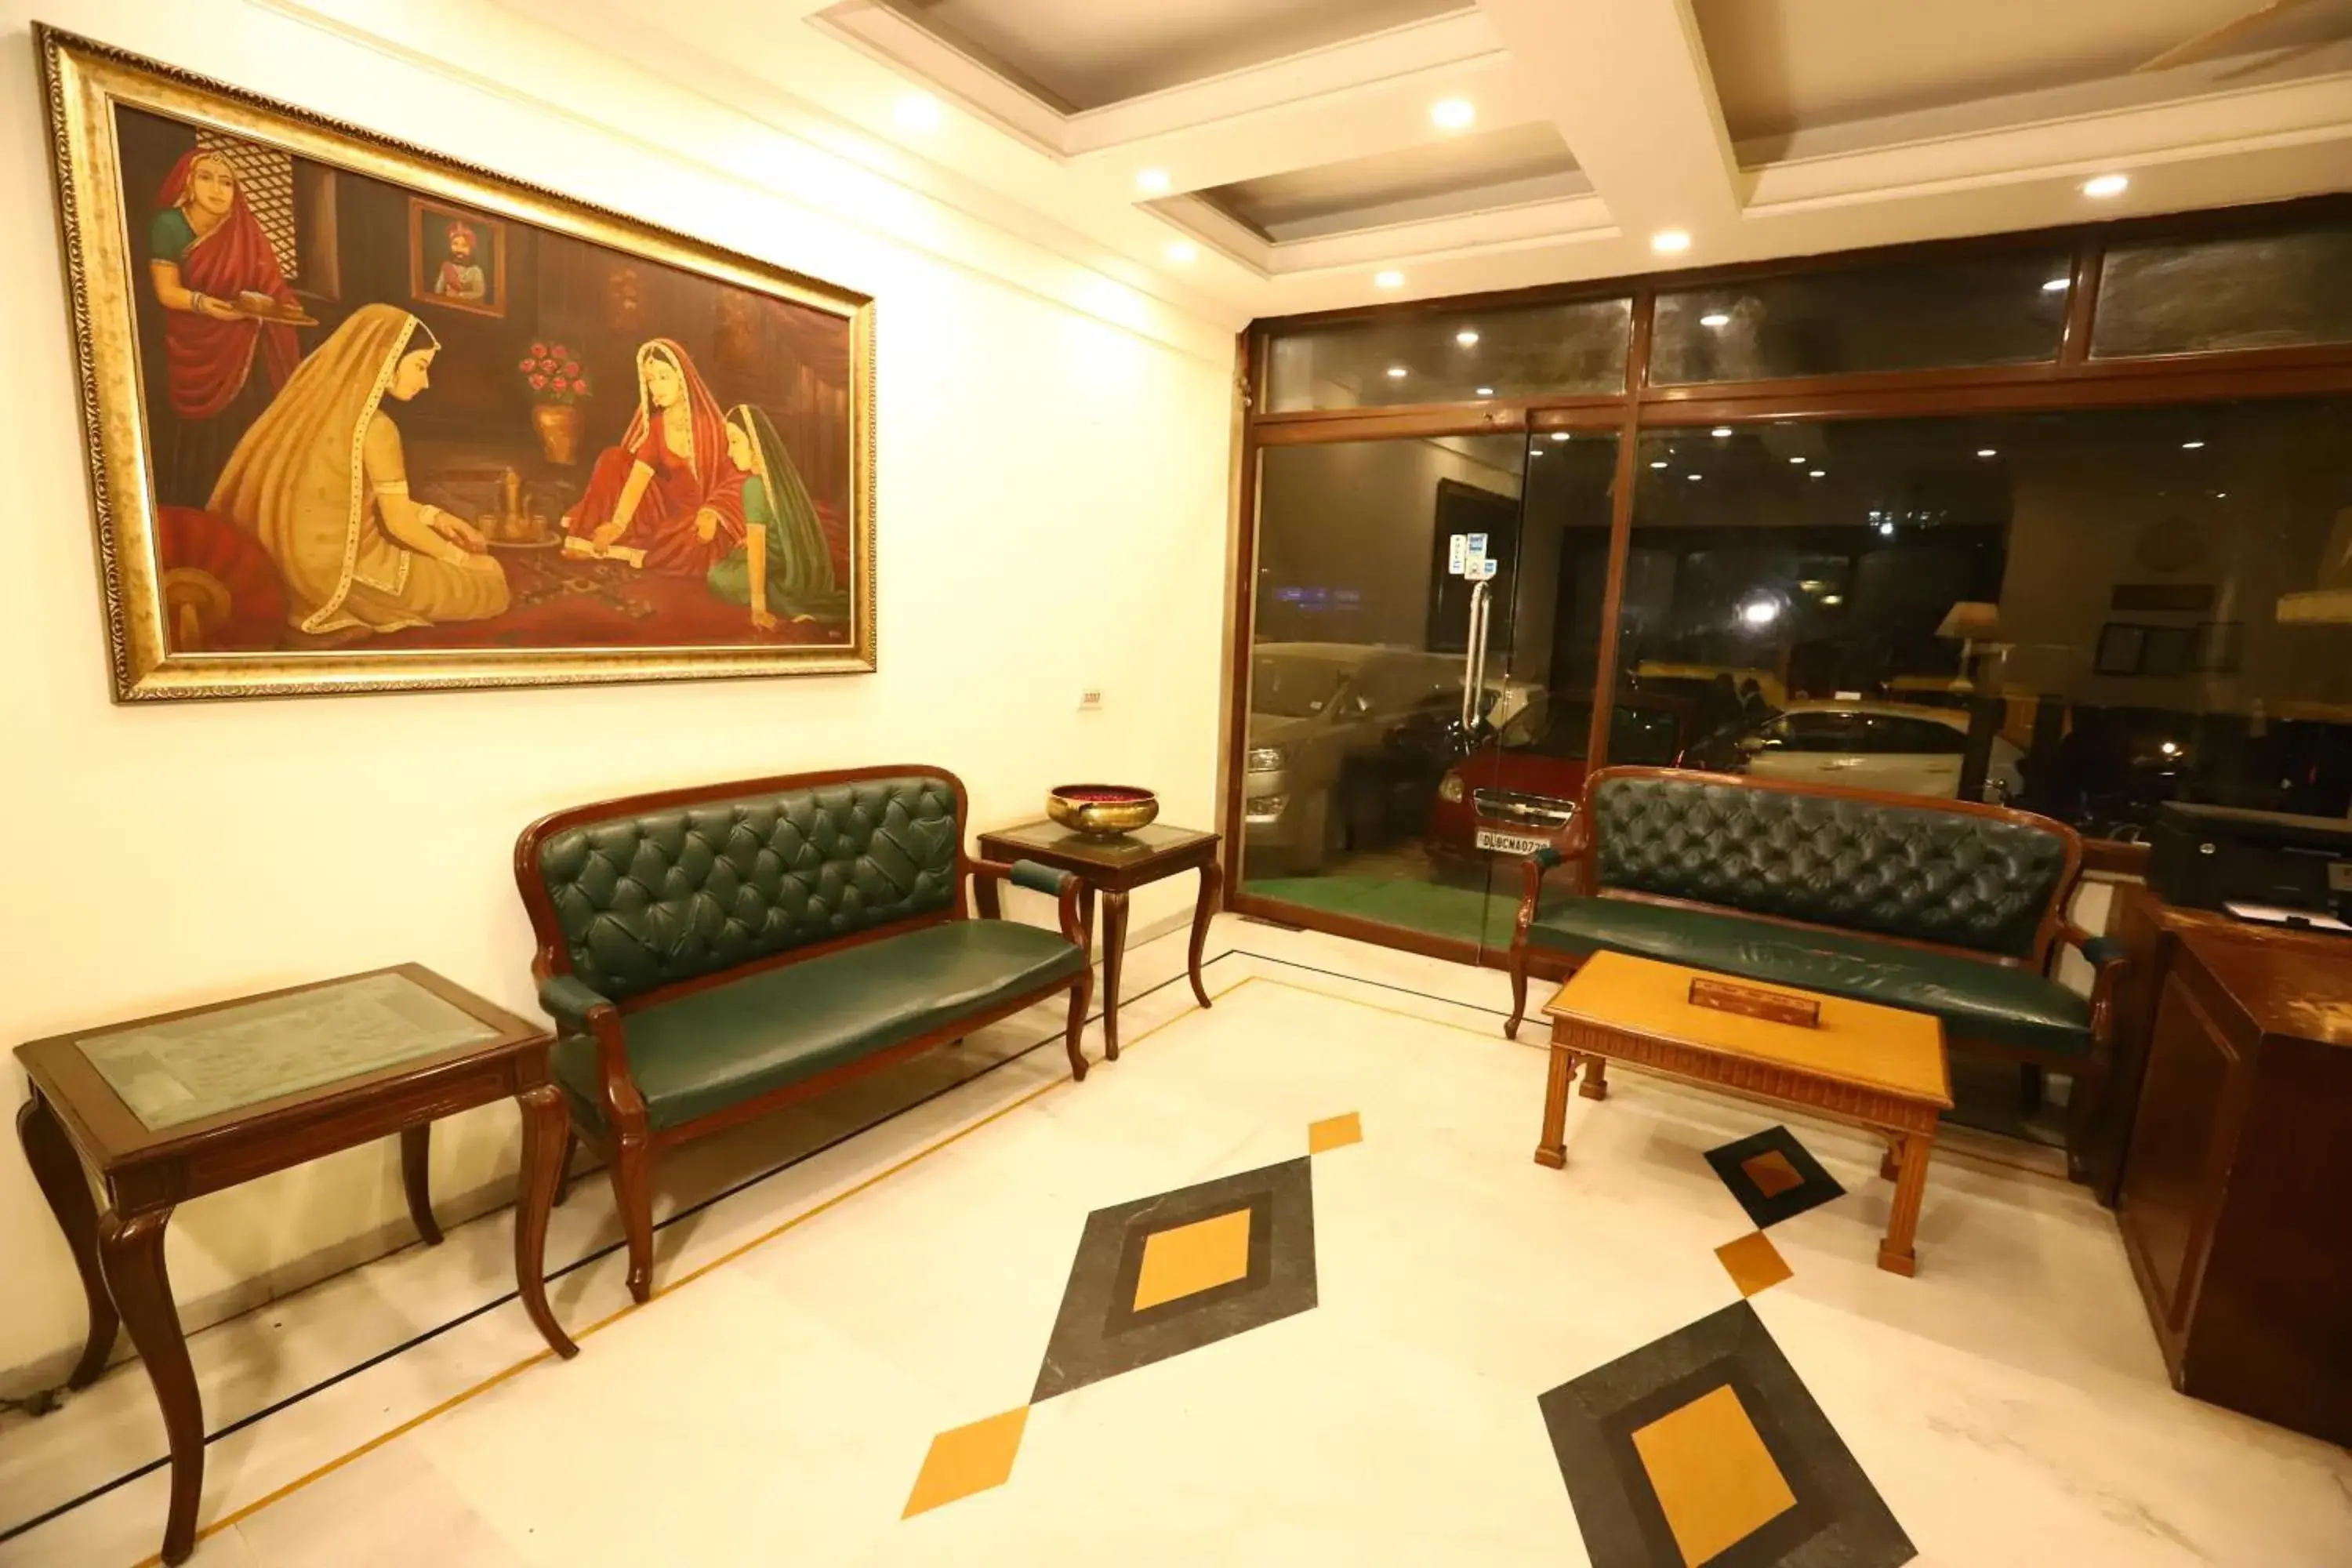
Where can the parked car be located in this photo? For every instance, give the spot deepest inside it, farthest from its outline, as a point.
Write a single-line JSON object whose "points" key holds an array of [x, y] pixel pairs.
{"points": [[1345, 741], [1893, 747], [1517, 790]]}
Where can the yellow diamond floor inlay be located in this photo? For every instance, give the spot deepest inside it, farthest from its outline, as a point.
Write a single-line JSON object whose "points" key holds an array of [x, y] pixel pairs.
{"points": [[1753, 1262], [1714, 1478], [1772, 1174], [1335, 1132], [1194, 1258], [967, 1459]]}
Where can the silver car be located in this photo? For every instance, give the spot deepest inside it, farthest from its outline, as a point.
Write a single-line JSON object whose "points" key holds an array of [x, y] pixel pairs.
{"points": [[1340, 734]]}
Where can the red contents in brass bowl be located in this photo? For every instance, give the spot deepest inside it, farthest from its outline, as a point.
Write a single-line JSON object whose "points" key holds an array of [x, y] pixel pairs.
{"points": [[1102, 794]]}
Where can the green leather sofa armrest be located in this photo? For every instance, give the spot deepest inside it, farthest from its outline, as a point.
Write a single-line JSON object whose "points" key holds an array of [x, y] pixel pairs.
{"points": [[2106, 954], [1061, 885], [1040, 878], [569, 1001]]}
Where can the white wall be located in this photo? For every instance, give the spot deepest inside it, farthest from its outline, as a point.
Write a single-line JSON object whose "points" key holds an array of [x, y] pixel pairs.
{"points": [[1052, 514]]}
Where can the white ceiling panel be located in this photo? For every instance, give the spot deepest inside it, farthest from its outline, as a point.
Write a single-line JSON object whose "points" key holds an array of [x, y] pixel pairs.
{"points": [[1084, 54], [1782, 66], [1464, 173]]}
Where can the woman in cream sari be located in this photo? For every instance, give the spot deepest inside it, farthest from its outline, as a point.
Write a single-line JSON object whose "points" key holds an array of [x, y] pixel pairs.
{"points": [[321, 480]]}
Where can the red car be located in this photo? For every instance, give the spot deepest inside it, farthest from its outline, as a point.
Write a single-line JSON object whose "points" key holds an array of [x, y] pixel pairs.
{"points": [[1514, 793]]}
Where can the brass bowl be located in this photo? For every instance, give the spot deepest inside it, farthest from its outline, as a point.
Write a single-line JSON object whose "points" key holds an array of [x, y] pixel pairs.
{"points": [[1101, 811]]}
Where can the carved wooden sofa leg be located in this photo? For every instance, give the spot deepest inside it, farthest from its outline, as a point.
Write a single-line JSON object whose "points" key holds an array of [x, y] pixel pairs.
{"points": [[633, 1194]]}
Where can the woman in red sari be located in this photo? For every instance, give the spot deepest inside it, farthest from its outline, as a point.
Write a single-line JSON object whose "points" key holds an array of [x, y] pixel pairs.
{"points": [[216, 278], [668, 488]]}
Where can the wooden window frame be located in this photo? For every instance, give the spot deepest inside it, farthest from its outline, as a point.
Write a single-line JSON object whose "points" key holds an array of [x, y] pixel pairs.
{"points": [[2071, 381]]}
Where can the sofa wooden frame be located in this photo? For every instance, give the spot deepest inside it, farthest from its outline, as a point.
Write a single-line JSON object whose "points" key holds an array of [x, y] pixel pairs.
{"points": [[625, 1142], [1577, 847]]}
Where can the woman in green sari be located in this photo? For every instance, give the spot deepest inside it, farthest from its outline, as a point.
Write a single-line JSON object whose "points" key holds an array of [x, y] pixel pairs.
{"points": [[783, 567]]}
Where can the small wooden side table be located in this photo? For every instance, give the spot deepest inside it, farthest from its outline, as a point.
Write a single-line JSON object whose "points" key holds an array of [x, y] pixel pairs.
{"points": [[1113, 867], [170, 1108]]}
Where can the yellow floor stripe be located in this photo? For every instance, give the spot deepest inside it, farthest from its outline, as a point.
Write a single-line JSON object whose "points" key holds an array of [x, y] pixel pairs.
{"points": [[230, 1521]]}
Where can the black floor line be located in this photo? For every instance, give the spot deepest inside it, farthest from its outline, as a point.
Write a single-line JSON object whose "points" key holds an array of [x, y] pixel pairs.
{"points": [[242, 1422]]}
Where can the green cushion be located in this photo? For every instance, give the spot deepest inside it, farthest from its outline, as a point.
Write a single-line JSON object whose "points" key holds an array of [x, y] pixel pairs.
{"points": [[736, 1041], [651, 898], [1925, 871], [1974, 999]]}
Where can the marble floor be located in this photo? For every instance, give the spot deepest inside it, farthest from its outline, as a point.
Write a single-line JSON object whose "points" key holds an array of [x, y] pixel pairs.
{"points": [[1283, 1285]]}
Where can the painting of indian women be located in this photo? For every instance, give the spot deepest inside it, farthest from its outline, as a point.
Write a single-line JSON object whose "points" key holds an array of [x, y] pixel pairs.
{"points": [[389, 423]]}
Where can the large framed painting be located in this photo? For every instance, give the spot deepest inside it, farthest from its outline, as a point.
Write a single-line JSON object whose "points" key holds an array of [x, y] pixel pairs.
{"points": [[364, 418]]}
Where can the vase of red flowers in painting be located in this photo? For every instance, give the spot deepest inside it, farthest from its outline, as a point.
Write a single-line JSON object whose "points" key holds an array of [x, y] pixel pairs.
{"points": [[557, 385]]}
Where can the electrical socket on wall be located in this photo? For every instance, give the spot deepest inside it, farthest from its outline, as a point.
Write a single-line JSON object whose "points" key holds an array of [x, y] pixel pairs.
{"points": [[1089, 699]]}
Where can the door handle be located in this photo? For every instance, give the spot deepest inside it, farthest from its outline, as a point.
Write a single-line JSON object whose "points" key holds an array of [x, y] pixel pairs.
{"points": [[1473, 658]]}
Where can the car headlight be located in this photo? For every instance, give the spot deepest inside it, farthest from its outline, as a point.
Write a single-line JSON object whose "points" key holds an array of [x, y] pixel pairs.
{"points": [[1450, 790], [1265, 807], [1266, 759]]}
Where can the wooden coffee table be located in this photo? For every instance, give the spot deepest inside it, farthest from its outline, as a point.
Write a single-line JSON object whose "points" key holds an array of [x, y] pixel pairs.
{"points": [[167, 1109], [1879, 1067]]}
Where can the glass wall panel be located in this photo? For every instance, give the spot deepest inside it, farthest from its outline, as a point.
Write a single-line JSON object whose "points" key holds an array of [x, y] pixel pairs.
{"points": [[1466, 356], [2003, 308], [2246, 291], [1367, 790], [2084, 613]]}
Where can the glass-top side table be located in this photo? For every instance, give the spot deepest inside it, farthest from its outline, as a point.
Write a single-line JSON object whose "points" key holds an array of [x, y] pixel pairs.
{"points": [[1113, 868], [167, 1109]]}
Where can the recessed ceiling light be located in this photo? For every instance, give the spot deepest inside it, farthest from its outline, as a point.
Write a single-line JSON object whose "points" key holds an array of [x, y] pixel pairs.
{"points": [[917, 111], [1454, 113], [1691, 476], [1390, 280], [1659, 464], [1560, 435], [1467, 337], [1396, 373], [1817, 473], [1720, 431], [1153, 181], [1668, 241], [1535, 451], [1486, 392], [2220, 495], [1987, 452], [2191, 445], [1715, 319], [2106, 185], [1184, 252], [1799, 460], [2056, 286], [1832, 598]]}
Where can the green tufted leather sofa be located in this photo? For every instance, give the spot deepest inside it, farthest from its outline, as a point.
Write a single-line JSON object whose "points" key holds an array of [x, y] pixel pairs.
{"points": [[1940, 906], [710, 955]]}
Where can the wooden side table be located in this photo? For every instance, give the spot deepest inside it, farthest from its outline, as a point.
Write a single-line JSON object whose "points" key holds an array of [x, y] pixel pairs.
{"points": [[1113, 867], [170, 1108]]}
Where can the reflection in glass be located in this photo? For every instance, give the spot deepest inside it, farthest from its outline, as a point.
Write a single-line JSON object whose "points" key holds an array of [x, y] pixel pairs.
{"points": [[1371, 789], [2081, 613], [2249, 292], [1461, 356], [2007, 307]]}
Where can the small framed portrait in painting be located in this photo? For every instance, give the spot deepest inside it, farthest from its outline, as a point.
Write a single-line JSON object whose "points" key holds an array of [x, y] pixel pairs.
{"points": [[2123, 649], [456, 259]]}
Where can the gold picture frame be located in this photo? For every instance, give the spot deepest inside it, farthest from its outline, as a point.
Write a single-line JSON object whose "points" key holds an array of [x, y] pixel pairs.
{"points": [[173, 625]]}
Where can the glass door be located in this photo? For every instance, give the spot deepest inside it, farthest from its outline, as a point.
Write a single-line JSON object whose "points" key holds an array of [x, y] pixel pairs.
{"points": [[1405, 743]]}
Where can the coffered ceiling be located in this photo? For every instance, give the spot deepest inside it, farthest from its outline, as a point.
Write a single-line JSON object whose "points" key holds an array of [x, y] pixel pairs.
{"points": [[1242, 158]]}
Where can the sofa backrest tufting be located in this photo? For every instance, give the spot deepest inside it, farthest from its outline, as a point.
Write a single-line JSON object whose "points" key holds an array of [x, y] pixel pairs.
{"points": [[653, 894], [1977, 880]]}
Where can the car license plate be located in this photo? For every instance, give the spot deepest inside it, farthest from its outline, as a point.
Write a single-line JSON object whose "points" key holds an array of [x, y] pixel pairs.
{"points": [[1511, 843]]}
